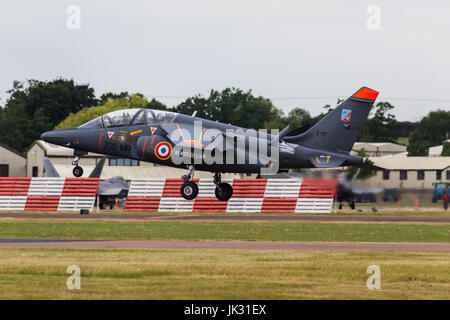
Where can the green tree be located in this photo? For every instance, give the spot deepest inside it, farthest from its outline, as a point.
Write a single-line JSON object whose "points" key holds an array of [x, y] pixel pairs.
{"points": [[381, 126], [112, 96], [36, 106], [446, 149], [430, 131], [157, 105], [328, 108], [299, 117], [232, 106], [278, 121], [133, 101]]}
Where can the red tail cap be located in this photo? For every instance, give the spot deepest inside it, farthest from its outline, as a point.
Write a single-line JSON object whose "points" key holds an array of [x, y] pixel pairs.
{"points": [[366, 93]]}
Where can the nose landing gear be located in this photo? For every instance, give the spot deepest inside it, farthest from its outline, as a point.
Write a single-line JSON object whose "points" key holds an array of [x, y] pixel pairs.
{"points": [[189, 189], [77, 171]]}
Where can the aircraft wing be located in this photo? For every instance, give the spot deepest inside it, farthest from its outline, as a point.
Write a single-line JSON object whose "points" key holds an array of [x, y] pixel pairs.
{"points": [[186, 135], [97, 172], [50, 170]]}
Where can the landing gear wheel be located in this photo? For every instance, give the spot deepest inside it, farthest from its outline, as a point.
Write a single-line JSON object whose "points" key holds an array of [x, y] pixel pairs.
{"points": [[224, 191], [189, 190], [77, 171]]}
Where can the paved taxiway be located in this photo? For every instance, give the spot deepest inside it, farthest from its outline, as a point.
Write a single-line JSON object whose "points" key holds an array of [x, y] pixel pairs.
{"points": [[237, 245]]}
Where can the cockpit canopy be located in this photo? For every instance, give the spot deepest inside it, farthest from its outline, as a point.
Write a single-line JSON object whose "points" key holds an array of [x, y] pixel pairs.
{"points": [[127, 117]]}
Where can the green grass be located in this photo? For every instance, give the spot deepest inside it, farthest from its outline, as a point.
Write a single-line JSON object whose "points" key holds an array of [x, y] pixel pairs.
{"points": [[269, 231], [221, 274]]}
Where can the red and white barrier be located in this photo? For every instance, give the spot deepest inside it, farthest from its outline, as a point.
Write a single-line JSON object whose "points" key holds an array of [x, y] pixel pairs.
{"points": [[249, 195], [14, 193], [48, 194]]}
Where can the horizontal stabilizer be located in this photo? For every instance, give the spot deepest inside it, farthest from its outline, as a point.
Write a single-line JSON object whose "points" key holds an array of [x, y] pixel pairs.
{"points": [[327, 161], [333, 160], [281, 135]]}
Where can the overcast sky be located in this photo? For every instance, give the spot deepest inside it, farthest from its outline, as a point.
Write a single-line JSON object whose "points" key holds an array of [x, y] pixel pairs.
{"points": [[298, 53]]}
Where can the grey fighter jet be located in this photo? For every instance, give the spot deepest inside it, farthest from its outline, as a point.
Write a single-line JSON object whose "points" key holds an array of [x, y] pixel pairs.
{"points": [[184, 141]]}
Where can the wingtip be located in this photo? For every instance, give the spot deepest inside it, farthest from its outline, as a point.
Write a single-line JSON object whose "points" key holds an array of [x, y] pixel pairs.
{"points": [[366, 93]]}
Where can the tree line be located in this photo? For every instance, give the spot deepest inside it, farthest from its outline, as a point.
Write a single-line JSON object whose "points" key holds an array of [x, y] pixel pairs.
{"points": [[34, 106]]}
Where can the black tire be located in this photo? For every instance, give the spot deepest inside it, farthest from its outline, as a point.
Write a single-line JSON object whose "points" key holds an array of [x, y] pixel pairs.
{"points": [[77, 171], [189, 190], [224, 191]]}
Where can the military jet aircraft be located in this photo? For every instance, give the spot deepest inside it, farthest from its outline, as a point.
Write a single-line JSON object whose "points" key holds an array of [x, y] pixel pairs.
{"points": [[184, 141]]}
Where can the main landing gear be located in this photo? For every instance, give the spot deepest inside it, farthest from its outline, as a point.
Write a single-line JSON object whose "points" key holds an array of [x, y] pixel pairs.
{"points": [[189, 189], [223, 190], [77, 171]]}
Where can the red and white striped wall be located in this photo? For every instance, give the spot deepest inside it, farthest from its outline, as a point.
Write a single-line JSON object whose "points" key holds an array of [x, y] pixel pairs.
{"points": [[249, 195], [48, 194]]}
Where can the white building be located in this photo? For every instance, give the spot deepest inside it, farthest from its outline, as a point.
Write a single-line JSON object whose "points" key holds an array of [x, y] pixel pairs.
{"points": [[437, 150], [12, 163], [379, 149], [409, 172]]}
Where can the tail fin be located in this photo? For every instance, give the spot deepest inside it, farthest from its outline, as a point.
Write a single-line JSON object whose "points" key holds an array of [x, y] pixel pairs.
{"points": [[339, 129]]}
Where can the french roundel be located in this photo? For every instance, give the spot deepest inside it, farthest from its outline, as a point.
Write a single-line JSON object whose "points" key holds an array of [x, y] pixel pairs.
{"points": [[163, 150]]}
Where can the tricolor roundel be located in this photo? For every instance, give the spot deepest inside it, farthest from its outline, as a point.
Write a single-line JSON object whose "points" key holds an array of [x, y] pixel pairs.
{"points": [[346, 115], [163, 150]]}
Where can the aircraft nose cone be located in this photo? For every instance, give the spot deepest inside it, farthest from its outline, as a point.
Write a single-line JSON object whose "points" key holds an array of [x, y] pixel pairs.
{"points": [[54, 137], [45, 135]]}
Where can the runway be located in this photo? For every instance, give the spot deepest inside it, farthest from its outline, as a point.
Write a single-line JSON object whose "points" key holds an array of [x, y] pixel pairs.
{"points": [[231, 245], [215, 217]]}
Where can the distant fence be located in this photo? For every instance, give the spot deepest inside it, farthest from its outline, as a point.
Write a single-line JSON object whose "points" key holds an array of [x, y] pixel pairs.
{"points": [[48, 194], [249, 195]]}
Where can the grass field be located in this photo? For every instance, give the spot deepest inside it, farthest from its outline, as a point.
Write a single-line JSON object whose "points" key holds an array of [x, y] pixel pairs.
{"points": [[269, 231], [221, 274]]}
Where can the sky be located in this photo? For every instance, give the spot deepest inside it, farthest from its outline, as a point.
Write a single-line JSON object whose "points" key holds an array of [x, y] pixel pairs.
{"points": [[297, 53]]}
